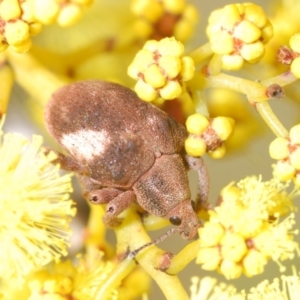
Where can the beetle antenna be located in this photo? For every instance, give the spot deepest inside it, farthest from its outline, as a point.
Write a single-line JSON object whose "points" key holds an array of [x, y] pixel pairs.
{"points": [[156, 241]]}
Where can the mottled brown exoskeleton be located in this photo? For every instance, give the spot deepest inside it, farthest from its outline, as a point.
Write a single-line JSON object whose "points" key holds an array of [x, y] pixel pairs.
{"points": [[123, 149]]}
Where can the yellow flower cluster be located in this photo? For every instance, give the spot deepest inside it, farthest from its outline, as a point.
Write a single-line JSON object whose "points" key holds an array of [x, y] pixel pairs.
{"points": [[64, 12], [35, 207], [287, 153], [66, 280], [159, 19], [18, 24], [161, 70], [238, 33], [51, 287], [295, 46], [22, 19], [244, 231], [291, 56], [283, 288], [208, 289], [224, 102], [207, 135]]}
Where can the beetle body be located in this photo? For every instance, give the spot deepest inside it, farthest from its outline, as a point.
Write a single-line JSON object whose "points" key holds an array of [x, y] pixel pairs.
{"points": [[122, 148]]}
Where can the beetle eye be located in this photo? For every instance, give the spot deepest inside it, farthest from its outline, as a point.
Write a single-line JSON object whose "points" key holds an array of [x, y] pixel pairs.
{"points": [[175, 220]]}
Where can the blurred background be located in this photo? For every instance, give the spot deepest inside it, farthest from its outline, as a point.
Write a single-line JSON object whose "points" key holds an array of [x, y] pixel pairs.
{"points": [[250, 159]]}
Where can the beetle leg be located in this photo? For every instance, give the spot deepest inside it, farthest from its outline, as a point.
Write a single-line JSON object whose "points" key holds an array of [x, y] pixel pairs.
{"points": [[197, 164], [67, 162], [95, 193], [116, 206], [117, 200], [102, 196]]}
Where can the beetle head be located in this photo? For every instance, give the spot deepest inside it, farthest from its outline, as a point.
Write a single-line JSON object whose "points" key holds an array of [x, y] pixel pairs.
{"points": [[186, 219]]}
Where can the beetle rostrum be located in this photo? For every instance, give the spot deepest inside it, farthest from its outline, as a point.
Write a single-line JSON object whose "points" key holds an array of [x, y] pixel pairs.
{"points": [[124, 149]]}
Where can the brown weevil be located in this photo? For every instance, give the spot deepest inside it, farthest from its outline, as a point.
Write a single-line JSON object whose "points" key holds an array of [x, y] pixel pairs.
{"points": [[124, 149]]}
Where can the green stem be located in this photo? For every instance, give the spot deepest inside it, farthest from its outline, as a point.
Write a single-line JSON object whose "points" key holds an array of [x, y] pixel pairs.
{"points": [[96, 230], [113, 281], [215, 65], [252, 89], [271, 120], [256, 93], [6, 83], [201, 53], [152, 222], [282, 79], [33, 77], [183, 258], [131, 235]]}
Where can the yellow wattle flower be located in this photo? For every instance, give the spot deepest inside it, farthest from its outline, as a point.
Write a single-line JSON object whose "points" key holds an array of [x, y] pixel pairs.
{"points": [[295, 46], [35, 207], [18, 25], [161, 70], [208, 288], [79, 279], [282, 288], [238, 33], [64, 12], [153, 16], [244, 231], [207, 135], [286, 151], [20, 20]]}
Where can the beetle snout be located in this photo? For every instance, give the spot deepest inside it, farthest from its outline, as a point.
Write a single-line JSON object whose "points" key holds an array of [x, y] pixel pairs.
{"points": [[190, 230], [189, 222]]}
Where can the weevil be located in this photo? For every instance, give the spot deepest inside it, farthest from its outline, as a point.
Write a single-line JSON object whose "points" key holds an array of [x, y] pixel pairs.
{"points": [[124, 149]]}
